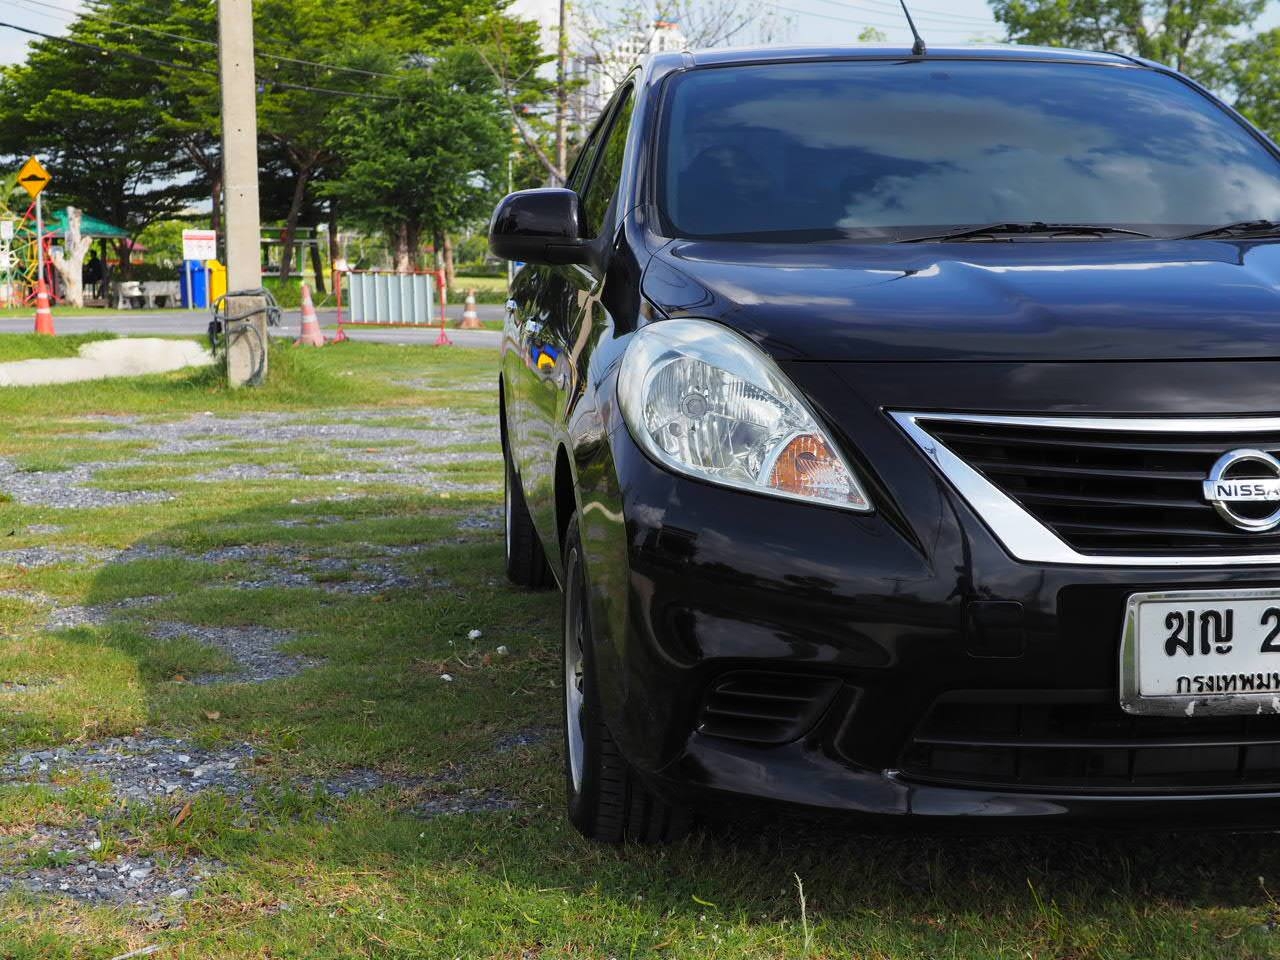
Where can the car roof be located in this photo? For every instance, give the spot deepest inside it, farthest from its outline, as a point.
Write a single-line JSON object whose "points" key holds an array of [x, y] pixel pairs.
{"points": [[745, 55]]}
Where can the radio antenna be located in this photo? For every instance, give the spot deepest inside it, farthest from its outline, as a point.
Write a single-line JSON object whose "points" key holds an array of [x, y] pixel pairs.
{"points": [[918, 49]]}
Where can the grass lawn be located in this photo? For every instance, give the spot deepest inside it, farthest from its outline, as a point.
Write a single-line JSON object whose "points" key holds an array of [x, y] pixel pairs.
{"points": [[349, 512]]}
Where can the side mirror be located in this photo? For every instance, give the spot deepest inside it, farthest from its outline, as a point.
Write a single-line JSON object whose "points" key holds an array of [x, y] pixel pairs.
{"points": [[539, 226]]}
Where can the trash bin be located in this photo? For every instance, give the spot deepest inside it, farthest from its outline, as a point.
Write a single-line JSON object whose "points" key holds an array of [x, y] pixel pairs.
{"points": [[194, 281], [217, 280]]}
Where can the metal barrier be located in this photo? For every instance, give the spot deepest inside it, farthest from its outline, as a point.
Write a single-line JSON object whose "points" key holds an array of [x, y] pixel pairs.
{"points": [[391, 298]]}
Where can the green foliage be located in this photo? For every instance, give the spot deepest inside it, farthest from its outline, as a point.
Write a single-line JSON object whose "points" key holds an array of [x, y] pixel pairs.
{"points": [[1186, 34], [1250, 70], [93, 119], [124, 109], [430, 161], [163, 240]]}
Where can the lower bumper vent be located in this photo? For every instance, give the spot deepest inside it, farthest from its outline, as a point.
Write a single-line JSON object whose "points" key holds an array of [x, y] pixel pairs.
{"points": [[1081, 741], [767, 708]]}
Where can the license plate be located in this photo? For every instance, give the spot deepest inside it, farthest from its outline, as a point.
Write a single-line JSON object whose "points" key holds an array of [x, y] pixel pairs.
{"points": [[1201, 652]]}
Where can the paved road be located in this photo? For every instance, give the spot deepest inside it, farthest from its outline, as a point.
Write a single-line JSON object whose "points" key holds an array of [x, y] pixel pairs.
{"points": [[191, 322]]}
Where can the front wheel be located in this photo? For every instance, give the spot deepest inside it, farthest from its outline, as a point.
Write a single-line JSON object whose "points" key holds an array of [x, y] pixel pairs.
{"points": [[606, 800]]}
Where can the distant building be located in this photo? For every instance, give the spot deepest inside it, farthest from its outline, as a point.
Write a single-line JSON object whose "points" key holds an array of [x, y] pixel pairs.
{"points": [[595, 64], [621, 56]]}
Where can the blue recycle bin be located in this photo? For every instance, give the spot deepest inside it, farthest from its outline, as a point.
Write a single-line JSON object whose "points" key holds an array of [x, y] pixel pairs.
{"points": [[194, 284]]}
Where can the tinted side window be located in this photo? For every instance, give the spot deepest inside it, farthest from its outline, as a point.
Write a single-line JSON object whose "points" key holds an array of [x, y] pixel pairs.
{"points": [[581, 164], [604, 182]]}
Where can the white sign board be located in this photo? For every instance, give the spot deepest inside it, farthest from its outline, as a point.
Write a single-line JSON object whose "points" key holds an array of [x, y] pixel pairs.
{"points": [[6, 229], [199, 245]]}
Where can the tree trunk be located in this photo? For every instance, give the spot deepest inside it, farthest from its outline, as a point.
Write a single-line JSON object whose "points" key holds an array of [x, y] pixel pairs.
{"points": [[215, 214], [437, 244], [123, 253], [317, 265], [291, 223], [403, 250], [413, 235], [448, 261], [70, 260]]}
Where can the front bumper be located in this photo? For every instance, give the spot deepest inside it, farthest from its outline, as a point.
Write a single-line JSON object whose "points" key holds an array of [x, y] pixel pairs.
{"points": [[900, 610], [717, 775]]}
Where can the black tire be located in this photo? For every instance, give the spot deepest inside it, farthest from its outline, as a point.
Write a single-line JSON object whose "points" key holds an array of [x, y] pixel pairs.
{"points": [[526, 561], [606, 800]]}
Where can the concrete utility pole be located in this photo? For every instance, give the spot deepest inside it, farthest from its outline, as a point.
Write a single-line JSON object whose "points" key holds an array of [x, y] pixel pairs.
{"points": [[246, 337], [562, 94]]}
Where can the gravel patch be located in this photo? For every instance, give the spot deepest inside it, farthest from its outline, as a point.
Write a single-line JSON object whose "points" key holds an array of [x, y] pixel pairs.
{"points": [[426, 481], [490, 519], [423, 383], [254, 650], [145, 771], [66, 618], [33, 597], [139, 769], [469, 800], [81, 871], [521, 739], [64, 489], [49, 556], [316, 521], [208, 432]]}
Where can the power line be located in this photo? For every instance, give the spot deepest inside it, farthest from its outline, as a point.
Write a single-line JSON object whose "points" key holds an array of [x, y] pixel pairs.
{"points": [[197, 40], [192, 68], [924, 13], [862, 21]]}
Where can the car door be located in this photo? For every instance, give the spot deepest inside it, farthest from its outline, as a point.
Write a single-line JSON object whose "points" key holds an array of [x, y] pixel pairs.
{"points": [[521, 349], [565, 299]]}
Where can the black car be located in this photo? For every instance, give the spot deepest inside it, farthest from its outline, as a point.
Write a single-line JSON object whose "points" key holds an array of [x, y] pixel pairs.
{"points": [[903, 431]]}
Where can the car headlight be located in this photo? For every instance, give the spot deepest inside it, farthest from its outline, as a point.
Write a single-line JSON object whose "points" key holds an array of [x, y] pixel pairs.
{"points": [[705, 401]]}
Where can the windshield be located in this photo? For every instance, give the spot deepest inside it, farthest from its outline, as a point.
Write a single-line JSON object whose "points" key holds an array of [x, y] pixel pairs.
{"points": [[892, 150]]}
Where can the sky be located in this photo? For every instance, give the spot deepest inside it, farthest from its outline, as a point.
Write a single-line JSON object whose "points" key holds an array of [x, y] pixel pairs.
{"points": [[942, 22]]}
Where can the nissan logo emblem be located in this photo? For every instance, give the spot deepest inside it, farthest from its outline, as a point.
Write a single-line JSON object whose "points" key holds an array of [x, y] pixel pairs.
{"points": [[1244, 477]]}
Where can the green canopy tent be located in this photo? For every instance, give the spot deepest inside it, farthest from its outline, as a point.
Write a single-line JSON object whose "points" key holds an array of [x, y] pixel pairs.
{"points": [[56, 226]]}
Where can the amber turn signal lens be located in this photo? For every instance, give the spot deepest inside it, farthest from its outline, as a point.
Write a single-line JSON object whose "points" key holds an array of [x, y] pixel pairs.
{"points": [[808, 467]]}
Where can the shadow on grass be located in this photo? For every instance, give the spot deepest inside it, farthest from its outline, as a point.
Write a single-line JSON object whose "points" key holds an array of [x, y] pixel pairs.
{"points": [[497, 884]]}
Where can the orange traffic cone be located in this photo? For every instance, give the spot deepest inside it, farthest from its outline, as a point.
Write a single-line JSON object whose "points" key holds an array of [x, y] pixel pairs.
{"points": [[311, 335], [470, 319], [44, 316]]}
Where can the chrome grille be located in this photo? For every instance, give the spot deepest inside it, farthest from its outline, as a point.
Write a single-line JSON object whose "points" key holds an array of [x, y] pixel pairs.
{"points": [[1122, 489]]}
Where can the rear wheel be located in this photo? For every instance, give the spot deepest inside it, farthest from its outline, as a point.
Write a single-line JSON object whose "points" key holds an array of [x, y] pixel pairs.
{"points": [[526, 561], [606, 800]]}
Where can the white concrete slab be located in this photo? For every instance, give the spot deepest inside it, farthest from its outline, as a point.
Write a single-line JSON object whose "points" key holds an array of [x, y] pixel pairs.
{"points": [[129, 357]]}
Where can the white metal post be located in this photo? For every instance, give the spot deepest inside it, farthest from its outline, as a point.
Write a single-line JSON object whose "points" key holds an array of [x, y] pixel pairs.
{"points": [[39, 241]]}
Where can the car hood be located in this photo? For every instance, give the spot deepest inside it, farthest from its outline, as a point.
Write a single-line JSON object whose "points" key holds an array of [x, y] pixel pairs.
{"points": [[1026, 300]]}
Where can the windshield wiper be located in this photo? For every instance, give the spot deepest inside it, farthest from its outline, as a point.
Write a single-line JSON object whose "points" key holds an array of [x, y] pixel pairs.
{"points": [[1244, 228], [1027, 228]]}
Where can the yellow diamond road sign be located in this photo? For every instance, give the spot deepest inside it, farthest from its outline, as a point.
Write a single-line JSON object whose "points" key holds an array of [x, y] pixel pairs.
{"points": [[34, 177]]}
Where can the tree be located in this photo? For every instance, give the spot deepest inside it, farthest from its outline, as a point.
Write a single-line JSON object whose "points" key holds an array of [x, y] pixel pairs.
{"points": [[1189, 35], [1249, 73], [69, 261], [86, 105], [428, 162]]}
